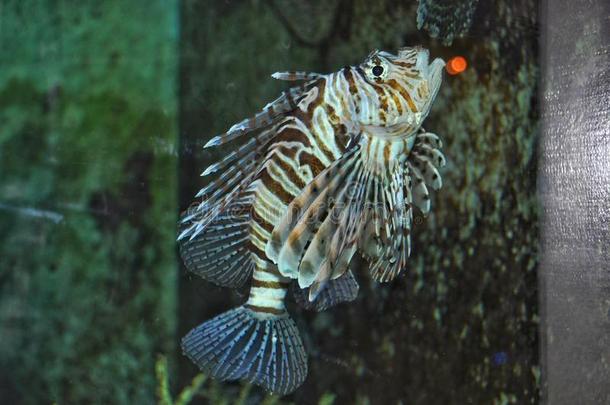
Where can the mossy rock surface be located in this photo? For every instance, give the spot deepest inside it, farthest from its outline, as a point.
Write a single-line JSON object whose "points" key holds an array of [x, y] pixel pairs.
{"points": [[461, 325]]}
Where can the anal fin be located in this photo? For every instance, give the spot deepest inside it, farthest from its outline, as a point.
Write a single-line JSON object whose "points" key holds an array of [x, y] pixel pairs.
{"points": [[341, 289]]}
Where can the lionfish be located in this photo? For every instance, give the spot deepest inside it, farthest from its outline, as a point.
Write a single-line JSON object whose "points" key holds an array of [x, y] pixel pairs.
{"points": [[332, 167]]}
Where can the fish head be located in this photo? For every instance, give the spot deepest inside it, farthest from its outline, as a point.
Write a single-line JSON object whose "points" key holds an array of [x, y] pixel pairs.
{"points": [[401, 89]]}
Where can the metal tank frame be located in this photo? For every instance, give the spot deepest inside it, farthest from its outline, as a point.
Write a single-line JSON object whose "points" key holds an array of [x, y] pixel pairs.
{"points": [[574, 187]]}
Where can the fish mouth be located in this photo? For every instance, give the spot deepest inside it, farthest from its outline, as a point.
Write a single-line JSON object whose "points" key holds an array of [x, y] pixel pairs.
{"points": [[435, 76], [423, 55], [433, 72]]}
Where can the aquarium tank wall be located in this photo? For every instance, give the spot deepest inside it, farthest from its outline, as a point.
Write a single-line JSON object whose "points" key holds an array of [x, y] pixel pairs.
{"points": [[105, 109]]}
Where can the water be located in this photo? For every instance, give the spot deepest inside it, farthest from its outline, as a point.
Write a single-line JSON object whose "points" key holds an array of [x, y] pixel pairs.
{"points": [[105, 109]]}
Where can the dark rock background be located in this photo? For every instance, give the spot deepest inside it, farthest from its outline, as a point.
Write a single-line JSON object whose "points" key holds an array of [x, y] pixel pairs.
{"points": [[461, 325]]}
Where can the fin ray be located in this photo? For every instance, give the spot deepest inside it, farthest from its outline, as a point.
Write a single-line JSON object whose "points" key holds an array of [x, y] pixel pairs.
{"points": [[219, 255], [251, 348], [295, 76], [342, 289], [272, 113], [297, 208]]}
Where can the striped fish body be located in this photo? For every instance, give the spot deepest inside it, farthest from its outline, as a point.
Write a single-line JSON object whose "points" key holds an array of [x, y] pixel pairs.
{"points": [[332, 167], [308, 140]]}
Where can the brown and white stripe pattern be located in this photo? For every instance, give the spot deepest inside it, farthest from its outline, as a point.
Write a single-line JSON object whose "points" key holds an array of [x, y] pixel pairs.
{"points": [[346, 154], [306, 143], [386, 110]]}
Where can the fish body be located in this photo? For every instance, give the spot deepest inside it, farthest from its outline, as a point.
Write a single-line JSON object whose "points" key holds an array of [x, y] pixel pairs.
{"points": [[332, 167]]}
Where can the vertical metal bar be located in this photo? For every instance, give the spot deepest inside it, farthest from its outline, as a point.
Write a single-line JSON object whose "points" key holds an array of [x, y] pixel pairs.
{"points": [[574, 185]]}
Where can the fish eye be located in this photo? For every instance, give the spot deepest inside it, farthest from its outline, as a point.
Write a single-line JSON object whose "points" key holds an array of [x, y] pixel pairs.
{"points": [[377, 70]]}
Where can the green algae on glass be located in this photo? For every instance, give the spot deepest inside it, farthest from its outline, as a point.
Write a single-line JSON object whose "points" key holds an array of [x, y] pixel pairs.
{"points": [[87, 207]]}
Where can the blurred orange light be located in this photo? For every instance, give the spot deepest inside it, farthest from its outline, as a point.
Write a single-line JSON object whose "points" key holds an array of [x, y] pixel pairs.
{"points": [[456, 65]]}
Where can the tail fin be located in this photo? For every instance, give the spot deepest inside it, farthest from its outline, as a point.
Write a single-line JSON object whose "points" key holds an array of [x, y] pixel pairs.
{"points": [[241, 344]]}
